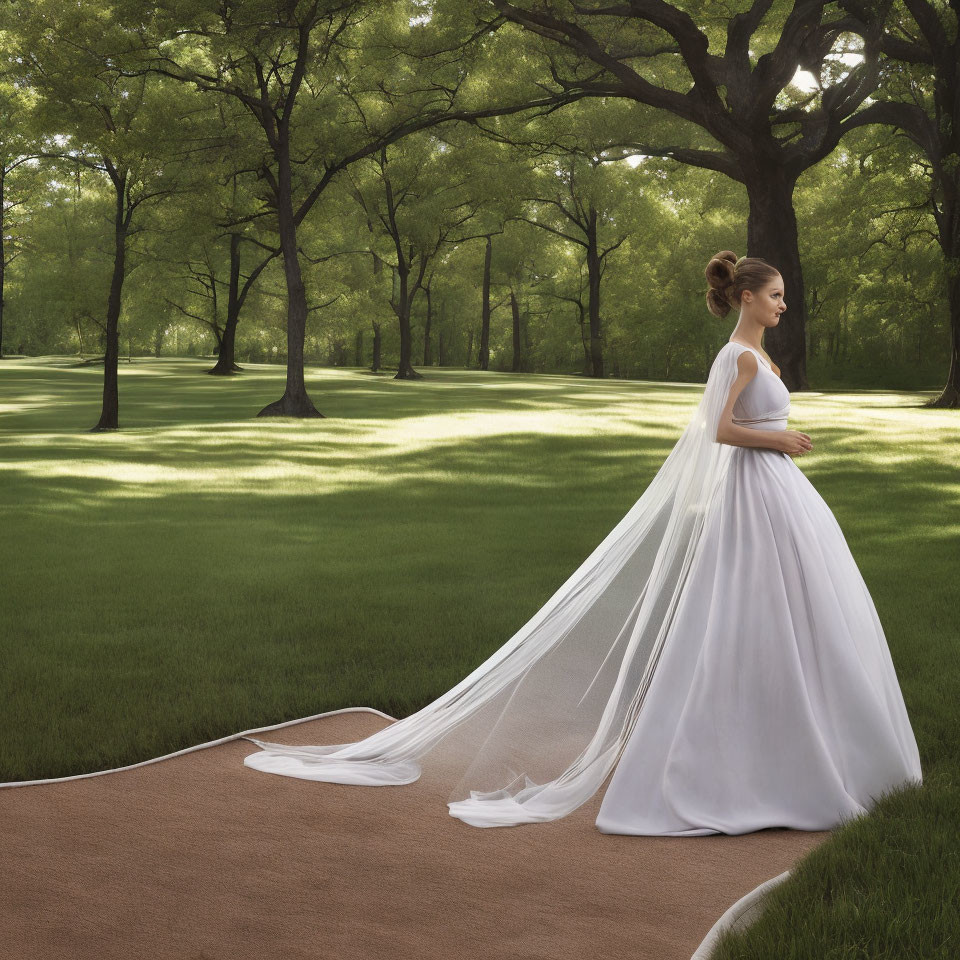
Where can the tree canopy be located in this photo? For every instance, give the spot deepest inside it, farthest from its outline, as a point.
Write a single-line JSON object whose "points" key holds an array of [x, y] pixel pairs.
{"points": [[514, 186]]}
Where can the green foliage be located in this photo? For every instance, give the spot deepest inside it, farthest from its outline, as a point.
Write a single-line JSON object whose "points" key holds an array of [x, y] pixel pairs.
{"points": [[875, 282]]}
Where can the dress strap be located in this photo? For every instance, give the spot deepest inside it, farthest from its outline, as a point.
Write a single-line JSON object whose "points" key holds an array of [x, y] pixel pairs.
{"points": [[762, 358]]}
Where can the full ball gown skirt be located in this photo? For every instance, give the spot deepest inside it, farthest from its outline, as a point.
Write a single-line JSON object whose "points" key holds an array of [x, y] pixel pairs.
{"points": [[775, 702]]}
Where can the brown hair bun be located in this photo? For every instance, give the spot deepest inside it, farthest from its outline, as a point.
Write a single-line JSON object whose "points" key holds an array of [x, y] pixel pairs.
{"points": [[727, 278]]}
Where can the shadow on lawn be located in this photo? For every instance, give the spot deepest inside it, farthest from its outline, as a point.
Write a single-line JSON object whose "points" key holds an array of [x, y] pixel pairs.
{"points": [[179, 391], [169, 586]]}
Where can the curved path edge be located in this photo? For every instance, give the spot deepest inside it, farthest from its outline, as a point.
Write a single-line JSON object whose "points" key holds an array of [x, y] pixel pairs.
{"points": [[739, 915], [199, 746]]}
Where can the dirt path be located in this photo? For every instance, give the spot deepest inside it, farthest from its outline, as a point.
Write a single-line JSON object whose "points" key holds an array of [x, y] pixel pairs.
{"points": [[201, 858]]}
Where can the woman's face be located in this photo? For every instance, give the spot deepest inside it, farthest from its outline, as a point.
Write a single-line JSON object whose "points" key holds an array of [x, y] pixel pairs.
{"points": [[767, 303]]}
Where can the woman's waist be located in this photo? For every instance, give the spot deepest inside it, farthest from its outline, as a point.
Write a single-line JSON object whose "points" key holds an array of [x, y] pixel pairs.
{"points": [[762, 423]]}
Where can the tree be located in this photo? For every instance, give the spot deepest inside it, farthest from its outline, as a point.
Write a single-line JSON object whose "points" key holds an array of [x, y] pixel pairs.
{"points": [[418, 203], [653, 53], [108, 123], [927, 110], [373, 78], [219, 256], [18, 178], [573, 205]]}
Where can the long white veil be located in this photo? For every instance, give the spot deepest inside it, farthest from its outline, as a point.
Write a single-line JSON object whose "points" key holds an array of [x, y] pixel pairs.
{"points": [[534, 731]]}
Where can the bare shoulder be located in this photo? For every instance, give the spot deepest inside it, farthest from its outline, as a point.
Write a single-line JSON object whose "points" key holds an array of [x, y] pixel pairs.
{"points": [[747, 364]]}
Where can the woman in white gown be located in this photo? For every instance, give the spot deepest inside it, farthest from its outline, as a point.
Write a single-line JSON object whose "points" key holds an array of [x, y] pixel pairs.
{"points": [[776, 703], [718, 652]]}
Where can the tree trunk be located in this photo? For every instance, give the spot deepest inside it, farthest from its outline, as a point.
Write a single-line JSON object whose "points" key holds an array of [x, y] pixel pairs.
{"points": [[483, 357], [110, 411], [442, 339], [427, 344], [593, 305], [405, 369], [948, 174], [377, 348], [3, 250], [584, 341], [295, 402], [469, 349], [226, 364], [515, 366], [527, 353], [950, 395], [945, 193], [772, 235], [358, 349]]}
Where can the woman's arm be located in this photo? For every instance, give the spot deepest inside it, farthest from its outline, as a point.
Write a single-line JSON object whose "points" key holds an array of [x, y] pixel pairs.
{"points": [[791, 442]]}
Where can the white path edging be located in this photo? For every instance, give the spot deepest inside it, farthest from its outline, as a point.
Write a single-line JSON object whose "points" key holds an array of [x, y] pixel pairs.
{"points": [[202, 746], [740, 915]]}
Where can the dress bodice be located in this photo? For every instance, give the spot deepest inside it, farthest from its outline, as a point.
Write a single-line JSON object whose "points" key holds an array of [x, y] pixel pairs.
{"points": [[764, 403]]}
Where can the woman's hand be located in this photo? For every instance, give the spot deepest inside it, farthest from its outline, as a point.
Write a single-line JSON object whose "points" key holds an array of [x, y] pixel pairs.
{"points": [[794, 443]]}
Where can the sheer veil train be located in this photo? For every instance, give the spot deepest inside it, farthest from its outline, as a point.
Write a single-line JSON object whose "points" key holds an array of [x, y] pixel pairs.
{"points": [[533, 732]]}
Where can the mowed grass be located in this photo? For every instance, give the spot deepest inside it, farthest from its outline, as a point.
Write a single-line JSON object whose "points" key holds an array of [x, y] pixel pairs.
{"points": [[202, 572]]}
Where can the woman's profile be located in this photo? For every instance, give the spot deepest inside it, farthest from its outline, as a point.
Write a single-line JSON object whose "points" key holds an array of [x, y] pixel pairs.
{"points": [[718, 652]]}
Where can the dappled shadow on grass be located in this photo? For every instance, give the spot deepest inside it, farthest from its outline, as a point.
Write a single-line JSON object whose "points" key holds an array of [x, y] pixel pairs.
{"points": [[278, 471], [383, 441], [164, 392], [173, 584], [149, 624]]}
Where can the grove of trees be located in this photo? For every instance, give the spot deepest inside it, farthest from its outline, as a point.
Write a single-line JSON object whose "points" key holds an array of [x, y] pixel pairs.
{"points": [[526, 186]]}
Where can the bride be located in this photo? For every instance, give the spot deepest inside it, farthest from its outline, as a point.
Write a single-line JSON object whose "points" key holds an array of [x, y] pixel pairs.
{"points": [[718, 652]]}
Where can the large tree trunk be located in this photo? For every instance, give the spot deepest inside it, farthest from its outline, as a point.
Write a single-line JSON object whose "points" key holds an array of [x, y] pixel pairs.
{"points": [[427, 343], [3, 253], [295, 402], [483, 357], [949, 234], [226, 364], [950, 395], [110, 411], [593, 306], [405, 369], [517, 362], [772, 235], [584, 340]]}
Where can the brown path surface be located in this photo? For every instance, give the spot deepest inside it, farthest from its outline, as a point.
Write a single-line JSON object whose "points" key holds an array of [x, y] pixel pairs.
{"points": [[201, 858]]}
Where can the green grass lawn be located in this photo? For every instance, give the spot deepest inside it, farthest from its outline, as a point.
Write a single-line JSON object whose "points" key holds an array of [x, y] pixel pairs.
{"points": [[202, 572]]}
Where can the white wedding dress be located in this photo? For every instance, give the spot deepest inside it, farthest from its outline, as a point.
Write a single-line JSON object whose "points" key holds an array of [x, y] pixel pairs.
{"points": [[718, 652], [776, 703]]}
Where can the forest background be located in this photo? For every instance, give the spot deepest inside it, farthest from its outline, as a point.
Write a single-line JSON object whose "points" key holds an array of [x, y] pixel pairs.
{"points": [[406, 185]]}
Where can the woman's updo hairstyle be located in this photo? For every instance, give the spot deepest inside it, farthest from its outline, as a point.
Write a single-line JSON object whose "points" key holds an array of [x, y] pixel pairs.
{"points": [[728, 277]]}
